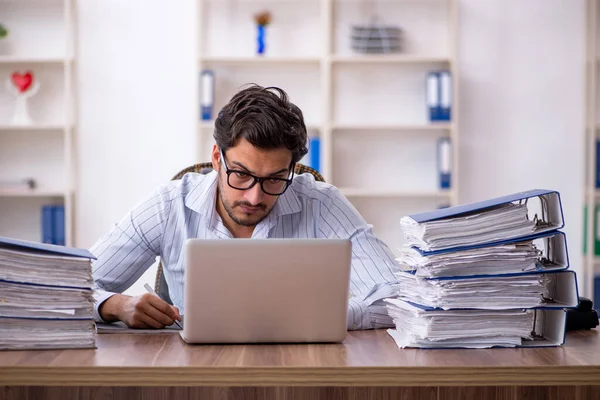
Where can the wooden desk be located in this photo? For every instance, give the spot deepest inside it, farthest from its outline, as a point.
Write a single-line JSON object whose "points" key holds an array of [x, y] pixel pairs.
{"points": [[367, 365]]}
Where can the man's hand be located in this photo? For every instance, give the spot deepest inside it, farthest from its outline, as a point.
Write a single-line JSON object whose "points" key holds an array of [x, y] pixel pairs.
{"points": [[144, 311]]}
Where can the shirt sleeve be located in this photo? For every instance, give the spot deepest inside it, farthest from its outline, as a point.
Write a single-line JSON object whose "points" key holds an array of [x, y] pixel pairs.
{"points": [[128, 250], [373, 265]]}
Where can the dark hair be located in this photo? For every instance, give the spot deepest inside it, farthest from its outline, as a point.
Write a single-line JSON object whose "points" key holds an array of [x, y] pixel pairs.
{"points": [[264, 117]]}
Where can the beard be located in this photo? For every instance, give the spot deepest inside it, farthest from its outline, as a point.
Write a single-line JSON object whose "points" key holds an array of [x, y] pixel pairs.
{"points": [[242, 218]]}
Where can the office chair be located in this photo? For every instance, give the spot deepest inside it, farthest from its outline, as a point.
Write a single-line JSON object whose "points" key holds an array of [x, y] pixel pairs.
{"points": [[160, 284]]}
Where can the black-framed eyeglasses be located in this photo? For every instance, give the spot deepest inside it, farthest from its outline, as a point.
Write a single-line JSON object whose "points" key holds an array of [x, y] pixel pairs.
{"points": [[242, 180]]}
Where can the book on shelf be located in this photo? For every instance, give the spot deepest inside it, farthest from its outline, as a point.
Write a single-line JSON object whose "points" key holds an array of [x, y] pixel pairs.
{"points": [[486, 274], [46, 295]]}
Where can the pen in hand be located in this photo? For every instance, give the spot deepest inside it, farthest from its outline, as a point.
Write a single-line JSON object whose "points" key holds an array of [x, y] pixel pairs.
{"points": [[150, 290]]}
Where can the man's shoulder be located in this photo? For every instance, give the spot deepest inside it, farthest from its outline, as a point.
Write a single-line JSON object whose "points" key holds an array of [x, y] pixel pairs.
{"points": [[306, 184], [191, 182]]}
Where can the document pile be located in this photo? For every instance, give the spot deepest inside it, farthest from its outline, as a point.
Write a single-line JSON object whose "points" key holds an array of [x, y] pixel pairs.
{"points": [[487, 274], [45, 296]]}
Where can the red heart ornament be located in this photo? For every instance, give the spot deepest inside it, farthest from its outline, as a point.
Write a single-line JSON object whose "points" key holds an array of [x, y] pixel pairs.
{"points": [[22, 82]]}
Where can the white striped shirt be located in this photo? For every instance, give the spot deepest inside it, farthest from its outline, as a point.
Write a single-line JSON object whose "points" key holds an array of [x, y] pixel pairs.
{"points": [[182, 209]]}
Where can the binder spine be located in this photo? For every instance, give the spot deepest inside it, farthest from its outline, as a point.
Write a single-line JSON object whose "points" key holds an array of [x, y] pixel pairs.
{"points": [[445, 81], [315, 153], [207, 83], [432, 95], [58, 219], [598, 163], [47, 230], [444, 162]]}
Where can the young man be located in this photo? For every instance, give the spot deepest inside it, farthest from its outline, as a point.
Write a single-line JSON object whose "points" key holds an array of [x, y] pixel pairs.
{"points": [[252, 193]]}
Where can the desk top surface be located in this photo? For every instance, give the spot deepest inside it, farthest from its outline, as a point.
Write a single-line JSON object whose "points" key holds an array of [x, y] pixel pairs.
{"points": [[367, 358]]}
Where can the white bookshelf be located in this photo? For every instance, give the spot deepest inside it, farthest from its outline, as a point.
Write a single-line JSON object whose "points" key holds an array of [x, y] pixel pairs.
{"points": [[369, 111], [41, 40]]}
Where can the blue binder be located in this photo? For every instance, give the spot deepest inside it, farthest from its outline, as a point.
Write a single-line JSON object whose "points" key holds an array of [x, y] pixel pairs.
{"points": [[47, 224], [315, 153], [598, 163], [21, 245], [550, 327], [445, 82], [550, 219], [550, 200], [444, 162], [58, 224], [207, 98], [432, 96], [566, 291]]}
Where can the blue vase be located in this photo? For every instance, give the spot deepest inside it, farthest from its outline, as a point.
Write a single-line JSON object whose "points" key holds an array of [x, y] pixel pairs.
{"points": [[261, 38]]}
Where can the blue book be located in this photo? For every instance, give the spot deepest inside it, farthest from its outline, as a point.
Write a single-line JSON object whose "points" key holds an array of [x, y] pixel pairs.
{"points": [[25, 245], [47, 224], [58, 219]]}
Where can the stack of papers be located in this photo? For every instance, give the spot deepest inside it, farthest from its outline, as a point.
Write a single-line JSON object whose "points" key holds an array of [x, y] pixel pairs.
{"points": [[45, 296], [495, 224], [484, 275], [492, 293], [417, 327], [506, 259]]}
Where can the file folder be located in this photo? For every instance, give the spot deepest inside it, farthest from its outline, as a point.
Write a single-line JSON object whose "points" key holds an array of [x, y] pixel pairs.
{"points": [[207, 98], [563, 294], [549, 330], [25, 245], [432, 93], [598, 163], [58, 224], [445, 82], [47, 224], [555, 254], [444, 161], [547, 213]]}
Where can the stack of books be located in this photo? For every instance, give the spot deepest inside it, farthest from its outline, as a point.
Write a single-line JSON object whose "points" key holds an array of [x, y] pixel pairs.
{"points": [[488, 274], [45, 296]]}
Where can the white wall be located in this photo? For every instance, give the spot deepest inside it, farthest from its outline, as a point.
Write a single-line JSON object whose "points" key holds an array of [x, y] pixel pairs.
{"points": [[522, 103], [137, 84]]}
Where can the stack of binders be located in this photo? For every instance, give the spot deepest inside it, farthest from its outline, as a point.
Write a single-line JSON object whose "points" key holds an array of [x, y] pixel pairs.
{"points": [[488, 274], [45, 296]]}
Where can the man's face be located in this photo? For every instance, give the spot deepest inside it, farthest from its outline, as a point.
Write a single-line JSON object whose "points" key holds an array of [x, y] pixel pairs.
{"points": [[249, 207]]}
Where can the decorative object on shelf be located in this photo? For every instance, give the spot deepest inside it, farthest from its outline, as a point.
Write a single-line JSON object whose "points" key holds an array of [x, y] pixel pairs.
{"points": [[22, 86], [444, 153], [438, 89], [207, 98], [3, 43], [376, 38], [17, 186], [262, 19]]}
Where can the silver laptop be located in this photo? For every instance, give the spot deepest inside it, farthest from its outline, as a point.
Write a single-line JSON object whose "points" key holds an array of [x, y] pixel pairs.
{"points": [[266, 290]]}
